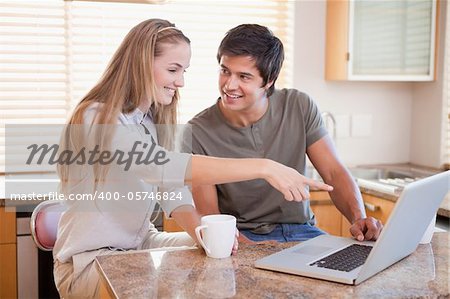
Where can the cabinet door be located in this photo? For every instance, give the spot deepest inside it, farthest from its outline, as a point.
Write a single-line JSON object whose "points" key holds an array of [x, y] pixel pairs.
{"points": [[170, 225], [378, 207], [374, 40], [328, 218], [8, 255], [7, 225], [8, 283]]}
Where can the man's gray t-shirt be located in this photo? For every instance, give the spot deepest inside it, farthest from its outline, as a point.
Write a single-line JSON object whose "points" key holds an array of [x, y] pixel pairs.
{"points": [[291, 123]]}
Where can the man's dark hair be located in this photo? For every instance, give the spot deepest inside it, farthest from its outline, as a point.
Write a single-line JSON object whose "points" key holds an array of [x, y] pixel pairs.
{"points": [[259, 43]]}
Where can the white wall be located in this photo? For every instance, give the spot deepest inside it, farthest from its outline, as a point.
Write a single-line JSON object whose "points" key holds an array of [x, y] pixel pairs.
{"points": [[428, 111], [388, 103]]}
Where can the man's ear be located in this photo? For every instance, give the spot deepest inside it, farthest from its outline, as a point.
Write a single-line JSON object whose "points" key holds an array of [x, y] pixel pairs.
{"points": [[268, 85]]}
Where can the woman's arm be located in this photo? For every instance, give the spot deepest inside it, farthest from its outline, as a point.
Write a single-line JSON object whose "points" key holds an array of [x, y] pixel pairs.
{"points": [[187, 217], [209, 171]]}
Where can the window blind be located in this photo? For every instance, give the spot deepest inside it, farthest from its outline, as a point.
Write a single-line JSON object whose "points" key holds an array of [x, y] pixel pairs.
{"points": [[52, 52], [392, 37], [33, 71], [446, 93]]}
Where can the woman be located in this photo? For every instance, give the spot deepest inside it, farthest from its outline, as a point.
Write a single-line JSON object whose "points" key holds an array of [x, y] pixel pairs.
{"points": [[134, 104]]}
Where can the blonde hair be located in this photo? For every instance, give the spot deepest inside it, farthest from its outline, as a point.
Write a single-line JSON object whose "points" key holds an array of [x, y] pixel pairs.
{"points": [[128, 81]]}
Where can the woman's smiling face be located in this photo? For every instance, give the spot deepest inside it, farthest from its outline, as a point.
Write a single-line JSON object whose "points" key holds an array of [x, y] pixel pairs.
{"points": [[168, 70]]}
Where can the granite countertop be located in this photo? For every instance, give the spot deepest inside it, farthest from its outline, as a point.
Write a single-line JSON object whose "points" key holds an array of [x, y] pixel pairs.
{"points": [[190, 274]]}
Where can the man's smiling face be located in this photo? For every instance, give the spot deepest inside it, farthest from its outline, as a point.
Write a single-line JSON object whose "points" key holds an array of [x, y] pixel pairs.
{"points": [[240, 84]]}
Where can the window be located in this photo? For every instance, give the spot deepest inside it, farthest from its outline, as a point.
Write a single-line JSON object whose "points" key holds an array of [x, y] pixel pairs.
{"points": [[52, 52], [393, 38], [446, 93]]}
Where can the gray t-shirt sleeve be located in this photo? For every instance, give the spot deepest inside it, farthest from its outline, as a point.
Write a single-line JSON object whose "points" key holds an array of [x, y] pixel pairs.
{"points": [[314, 125], [176, 197], [190, 143]]}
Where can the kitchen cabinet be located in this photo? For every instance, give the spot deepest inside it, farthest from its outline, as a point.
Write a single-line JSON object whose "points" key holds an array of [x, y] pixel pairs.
{"points": [[369, 40], [8, 268], [377, 207], [327, 215], [170, 225], [328, 218]]}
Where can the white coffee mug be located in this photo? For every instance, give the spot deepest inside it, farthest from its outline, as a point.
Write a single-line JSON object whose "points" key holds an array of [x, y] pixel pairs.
{"points": [[217, 238]]}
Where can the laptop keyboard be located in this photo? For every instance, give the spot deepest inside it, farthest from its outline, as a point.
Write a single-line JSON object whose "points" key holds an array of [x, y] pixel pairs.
{"points": [[346, 259]]}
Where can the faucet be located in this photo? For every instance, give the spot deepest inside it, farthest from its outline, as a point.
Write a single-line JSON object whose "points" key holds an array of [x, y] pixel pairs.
{"points": [[327, 118]]}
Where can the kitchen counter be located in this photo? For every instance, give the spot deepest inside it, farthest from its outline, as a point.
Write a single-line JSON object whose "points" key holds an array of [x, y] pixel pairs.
{"points": [[49, 184], [30, 189], [190, 274], [444, 209]]}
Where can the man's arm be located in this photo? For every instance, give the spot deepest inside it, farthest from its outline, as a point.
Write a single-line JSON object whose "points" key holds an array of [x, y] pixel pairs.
{"points": [[207, 203], [205, 198], [346, 195]]}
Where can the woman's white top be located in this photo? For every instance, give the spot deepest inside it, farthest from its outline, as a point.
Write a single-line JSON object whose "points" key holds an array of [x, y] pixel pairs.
{"points": [[121, 221]]}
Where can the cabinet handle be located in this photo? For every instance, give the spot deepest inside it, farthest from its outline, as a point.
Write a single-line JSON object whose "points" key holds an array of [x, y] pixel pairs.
{"points": [[371, 207]]}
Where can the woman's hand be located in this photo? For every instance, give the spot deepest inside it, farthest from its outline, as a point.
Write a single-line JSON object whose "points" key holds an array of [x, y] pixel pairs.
{"points": [[236, 243], [290, 182]]}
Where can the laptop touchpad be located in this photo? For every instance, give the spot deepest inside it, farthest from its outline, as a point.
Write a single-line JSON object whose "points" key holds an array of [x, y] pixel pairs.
{"points": [[312, 249]]}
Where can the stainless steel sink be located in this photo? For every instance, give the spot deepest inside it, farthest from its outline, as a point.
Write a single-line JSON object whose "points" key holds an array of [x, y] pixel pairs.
{"points": [[375, 173], [382, 173], [356, 172], [384, 179]]}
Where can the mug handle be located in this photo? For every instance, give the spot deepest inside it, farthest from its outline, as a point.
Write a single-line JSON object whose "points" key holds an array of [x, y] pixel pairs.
{"points": [[199, 237]]}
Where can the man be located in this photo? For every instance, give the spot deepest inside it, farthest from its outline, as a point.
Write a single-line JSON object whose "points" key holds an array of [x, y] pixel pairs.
{"points": [[253, 119]]}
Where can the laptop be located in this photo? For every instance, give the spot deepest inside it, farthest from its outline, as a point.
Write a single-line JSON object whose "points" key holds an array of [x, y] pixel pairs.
{"points": [[349, 261]]}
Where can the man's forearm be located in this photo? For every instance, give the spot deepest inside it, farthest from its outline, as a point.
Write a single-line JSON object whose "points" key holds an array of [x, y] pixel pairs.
{"points": [[347, 197], [206, 201]]}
